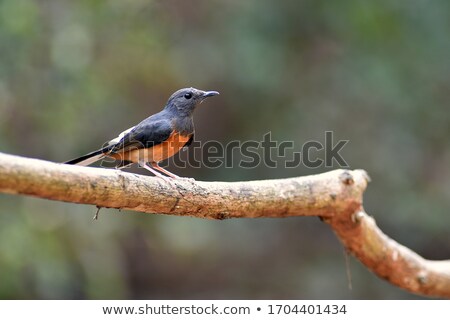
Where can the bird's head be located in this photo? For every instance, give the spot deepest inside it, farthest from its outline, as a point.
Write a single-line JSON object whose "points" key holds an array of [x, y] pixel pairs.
{"points": [[185, 100]]}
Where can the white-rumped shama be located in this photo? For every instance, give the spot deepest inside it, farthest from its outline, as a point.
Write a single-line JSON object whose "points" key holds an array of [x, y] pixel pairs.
{"points": [[156, 138]]}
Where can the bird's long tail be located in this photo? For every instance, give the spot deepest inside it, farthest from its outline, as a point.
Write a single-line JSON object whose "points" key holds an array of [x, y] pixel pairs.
{"points": [[89, 158]]}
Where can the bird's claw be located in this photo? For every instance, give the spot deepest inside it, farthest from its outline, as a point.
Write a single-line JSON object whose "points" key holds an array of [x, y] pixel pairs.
{"points": [[191, 180], [169, 181]]}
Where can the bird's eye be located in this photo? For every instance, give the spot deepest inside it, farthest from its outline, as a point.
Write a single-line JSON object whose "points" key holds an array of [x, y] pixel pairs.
{"points": [[188, 95]]}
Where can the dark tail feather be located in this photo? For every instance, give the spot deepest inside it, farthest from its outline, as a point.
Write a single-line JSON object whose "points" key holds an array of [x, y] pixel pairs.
{"points": [[87, 159]]}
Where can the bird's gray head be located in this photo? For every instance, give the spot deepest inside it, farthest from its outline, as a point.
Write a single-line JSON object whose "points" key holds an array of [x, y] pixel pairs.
{"points": [[185, 100]]}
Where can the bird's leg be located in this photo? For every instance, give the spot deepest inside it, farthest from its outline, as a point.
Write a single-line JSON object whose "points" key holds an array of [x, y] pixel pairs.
{"points": [[170, 174], [123, 164], [160, 169], [156, 173]]}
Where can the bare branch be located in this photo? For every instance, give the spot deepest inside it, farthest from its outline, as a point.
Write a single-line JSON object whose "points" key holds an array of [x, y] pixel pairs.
{"points": [[335, 196]]}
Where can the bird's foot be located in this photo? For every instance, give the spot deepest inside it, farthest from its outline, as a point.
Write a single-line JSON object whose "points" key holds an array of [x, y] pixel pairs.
{"points": [[168, 180], [191, 180]]}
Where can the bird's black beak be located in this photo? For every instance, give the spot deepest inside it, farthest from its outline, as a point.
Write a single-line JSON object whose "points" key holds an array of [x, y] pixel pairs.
{"points": [[207, 94]]}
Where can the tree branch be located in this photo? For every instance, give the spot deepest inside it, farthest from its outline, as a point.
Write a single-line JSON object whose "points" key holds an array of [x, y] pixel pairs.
{"points": [[335, 196]]}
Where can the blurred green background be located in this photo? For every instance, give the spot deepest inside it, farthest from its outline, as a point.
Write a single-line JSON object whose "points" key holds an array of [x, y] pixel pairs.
{"points": [[75, 73]]}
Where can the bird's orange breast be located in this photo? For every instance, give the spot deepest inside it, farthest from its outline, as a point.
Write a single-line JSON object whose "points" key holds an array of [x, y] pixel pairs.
{"points": [[158, 153]]}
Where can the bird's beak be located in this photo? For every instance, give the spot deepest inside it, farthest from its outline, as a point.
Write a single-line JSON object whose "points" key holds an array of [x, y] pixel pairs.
{"points": [[207, 94]]}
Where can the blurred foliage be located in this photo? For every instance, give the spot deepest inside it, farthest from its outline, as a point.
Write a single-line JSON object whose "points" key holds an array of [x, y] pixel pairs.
{"points": [[75, 73]]}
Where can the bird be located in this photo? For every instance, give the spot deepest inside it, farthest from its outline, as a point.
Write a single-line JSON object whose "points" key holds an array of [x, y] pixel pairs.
{"points": [[156, 138]]}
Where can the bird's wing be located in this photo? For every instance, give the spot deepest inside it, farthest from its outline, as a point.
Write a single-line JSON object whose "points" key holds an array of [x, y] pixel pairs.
{"points": [[119, 137], [147, 134]]}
